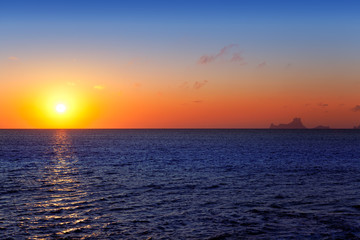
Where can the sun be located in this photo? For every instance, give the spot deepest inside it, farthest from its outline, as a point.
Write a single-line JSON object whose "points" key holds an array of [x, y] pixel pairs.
{"points": [[60, 108]]}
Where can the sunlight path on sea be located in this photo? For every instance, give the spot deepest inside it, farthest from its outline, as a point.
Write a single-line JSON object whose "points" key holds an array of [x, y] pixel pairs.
{"points": [[62, 206]]}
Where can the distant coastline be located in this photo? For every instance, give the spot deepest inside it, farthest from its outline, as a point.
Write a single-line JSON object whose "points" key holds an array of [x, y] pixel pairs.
{"points": [[173, 129], [296, 123]]}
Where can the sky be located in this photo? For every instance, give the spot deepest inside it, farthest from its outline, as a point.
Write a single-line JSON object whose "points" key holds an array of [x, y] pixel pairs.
{"points": [[179, 64]]}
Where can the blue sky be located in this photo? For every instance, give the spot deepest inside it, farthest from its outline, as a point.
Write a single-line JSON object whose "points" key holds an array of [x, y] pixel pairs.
{"points": [[207, 22], [206, 12]]}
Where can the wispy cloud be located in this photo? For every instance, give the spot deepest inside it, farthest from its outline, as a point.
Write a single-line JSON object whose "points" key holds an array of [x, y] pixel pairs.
{"points": [[262, 65], [205, 59], [197, 101], [356, 108], [198, 85], [99, 87], [323, 105], [13, 58], [238, 58], [184, 85]]}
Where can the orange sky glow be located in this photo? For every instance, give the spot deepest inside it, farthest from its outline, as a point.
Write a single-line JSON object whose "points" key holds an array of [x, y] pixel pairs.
{"points": [[179, 65], [130, 97]]}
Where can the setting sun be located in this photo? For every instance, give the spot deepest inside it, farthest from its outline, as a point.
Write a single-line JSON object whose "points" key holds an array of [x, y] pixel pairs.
{"points": [[60, 108]]}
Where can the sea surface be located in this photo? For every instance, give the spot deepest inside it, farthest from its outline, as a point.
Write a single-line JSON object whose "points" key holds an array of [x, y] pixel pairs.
{"points": [[179, 184]]}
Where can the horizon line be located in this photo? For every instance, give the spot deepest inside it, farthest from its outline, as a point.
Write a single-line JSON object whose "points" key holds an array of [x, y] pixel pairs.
{"points": [[176, 129]]}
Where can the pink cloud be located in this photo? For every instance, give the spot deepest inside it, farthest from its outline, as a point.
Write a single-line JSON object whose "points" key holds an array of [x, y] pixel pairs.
{"points": [[184, 85], [238, 58], [198, 85], [210, 58], [206, 59]]}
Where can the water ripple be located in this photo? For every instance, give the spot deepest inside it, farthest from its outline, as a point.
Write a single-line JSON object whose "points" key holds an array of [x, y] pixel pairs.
{"points": [[179, 184]]}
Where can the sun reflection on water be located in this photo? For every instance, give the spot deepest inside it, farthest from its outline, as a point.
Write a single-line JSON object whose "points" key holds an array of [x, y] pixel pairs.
{"points": [[62, 208]]}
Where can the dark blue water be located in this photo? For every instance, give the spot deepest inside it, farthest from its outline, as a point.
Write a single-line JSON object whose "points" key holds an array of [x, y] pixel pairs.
{"points": [[180, 184]]}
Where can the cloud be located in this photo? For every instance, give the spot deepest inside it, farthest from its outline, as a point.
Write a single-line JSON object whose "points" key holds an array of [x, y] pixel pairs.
{"points": [[356, 108], [205, 59], [262, 65], [99, 87], [237, 58], [224, 49], [323, 104], [198, 85], [12, 58], [184, 85], [197, 101]]}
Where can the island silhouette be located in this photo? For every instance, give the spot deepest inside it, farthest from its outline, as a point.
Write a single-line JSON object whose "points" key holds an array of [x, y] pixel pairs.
{"points": [[296, 123]]}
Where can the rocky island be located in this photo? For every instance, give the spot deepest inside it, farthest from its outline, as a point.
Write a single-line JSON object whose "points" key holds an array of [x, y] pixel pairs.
{"points": [[295, 124]]}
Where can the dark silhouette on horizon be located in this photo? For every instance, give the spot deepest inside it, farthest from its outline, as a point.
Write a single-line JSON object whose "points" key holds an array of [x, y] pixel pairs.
{"points": [[295, 124], [321, 127]]}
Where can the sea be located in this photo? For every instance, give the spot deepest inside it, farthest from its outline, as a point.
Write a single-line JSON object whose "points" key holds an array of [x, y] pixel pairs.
{"points": [[180, 184]]}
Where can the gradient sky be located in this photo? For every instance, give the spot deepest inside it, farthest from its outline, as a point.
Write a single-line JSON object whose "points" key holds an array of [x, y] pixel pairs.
{"points": [[179, 64]]}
